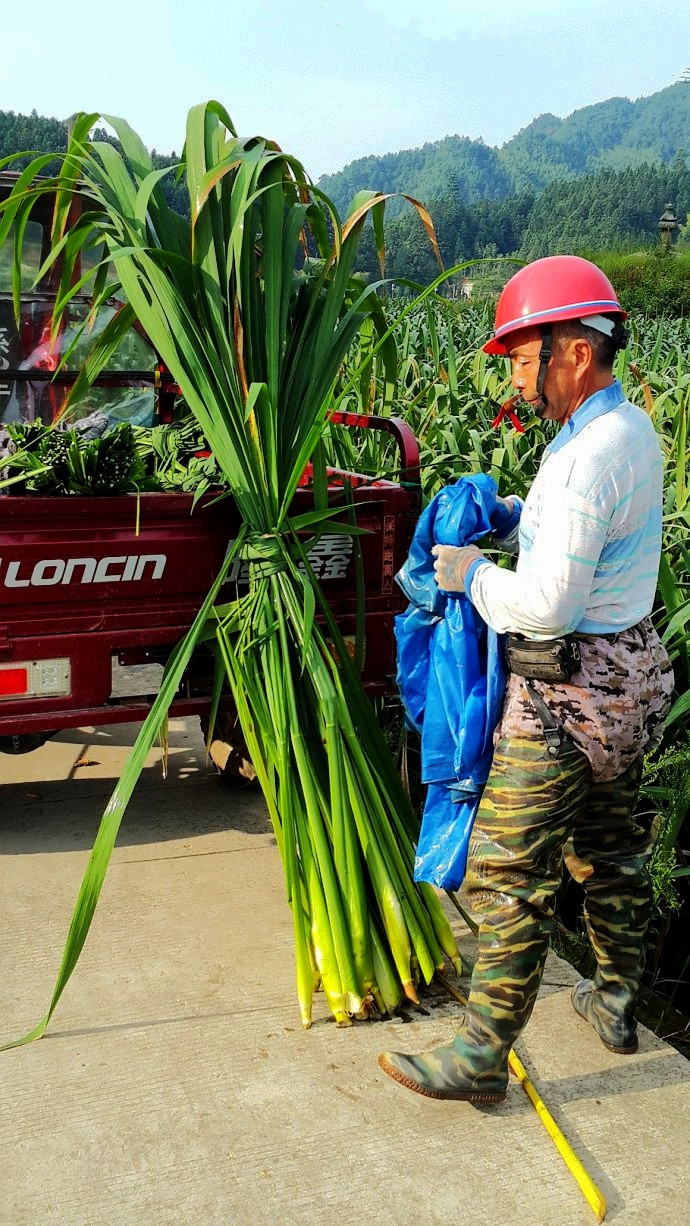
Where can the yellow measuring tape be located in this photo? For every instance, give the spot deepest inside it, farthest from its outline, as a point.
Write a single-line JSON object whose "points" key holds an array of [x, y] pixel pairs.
{"points": [[594, 1197]]}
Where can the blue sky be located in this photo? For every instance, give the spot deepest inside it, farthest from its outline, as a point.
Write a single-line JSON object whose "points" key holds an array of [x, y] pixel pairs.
{"points": [[334, 81]]}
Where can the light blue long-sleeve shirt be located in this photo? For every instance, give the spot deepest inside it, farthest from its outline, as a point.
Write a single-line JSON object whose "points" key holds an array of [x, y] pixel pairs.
{"points": [[589, 532]]}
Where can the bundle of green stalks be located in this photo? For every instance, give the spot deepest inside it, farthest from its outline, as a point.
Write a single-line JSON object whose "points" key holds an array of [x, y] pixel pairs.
{"points": [[252, 305]]}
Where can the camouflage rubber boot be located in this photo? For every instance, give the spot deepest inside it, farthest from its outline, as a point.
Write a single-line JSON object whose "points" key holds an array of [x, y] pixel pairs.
{"points": [[464, 1070], [617, 1030]]}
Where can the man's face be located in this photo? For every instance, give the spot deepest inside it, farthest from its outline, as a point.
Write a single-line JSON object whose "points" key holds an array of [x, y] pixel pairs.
{"points": [[559, 388]]}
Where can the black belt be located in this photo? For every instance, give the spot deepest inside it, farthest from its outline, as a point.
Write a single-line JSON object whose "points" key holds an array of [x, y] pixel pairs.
{"points": [[588, 637]]}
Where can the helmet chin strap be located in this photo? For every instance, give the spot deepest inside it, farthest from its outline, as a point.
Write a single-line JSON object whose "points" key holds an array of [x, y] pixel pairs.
{"points": [[541, 405], [545, 355]]}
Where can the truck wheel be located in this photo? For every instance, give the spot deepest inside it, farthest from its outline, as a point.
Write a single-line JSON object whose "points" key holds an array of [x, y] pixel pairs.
{"points": [[228, 750], [25, 743]]}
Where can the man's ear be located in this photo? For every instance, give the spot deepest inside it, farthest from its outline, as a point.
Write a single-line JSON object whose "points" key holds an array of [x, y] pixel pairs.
{"points": [[581, 354]]}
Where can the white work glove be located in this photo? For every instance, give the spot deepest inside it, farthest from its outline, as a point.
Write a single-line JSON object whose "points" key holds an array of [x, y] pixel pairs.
{"points": [[452, 564], [501, 517]]}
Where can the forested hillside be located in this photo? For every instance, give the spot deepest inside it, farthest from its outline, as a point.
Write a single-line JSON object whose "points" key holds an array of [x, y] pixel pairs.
{"points": [[597, 181], [615, 210], [33, 131], [615, 133], [612, 209], [36, 133], [454, 166]]}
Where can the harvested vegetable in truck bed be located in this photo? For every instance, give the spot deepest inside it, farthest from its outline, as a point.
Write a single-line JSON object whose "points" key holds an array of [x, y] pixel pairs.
{"points": [[78, 459], [42, 459]]}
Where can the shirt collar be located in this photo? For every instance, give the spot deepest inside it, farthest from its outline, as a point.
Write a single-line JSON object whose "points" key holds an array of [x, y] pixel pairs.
{"points": [[595, 406]]}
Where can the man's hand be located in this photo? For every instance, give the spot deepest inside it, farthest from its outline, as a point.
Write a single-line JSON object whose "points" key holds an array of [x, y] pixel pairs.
{"points": [[502, 517], [452, 564]]}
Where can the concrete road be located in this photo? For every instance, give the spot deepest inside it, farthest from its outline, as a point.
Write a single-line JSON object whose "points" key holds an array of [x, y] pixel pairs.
{"points": [[177, 1086]]}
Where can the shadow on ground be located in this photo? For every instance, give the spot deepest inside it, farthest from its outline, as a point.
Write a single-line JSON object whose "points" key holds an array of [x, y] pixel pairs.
{"points": [[40, 814]]}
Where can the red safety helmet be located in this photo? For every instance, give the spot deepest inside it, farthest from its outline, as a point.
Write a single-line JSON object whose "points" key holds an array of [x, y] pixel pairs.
{"points": [[547, 291]]}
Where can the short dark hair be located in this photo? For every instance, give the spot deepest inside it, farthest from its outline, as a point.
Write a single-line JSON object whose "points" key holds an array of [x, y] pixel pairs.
{"points": [[604, 348]]}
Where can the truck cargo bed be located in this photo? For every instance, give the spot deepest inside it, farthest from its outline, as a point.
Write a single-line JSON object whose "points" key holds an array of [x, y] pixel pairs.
{"points": [[87, 584]]}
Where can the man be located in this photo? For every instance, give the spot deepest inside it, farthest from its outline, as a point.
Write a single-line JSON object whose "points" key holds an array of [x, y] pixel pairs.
{"points": [[588, 693]]}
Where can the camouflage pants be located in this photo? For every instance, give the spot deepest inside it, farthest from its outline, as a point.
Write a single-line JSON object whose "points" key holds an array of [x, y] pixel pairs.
{"points": [[535, 810]]}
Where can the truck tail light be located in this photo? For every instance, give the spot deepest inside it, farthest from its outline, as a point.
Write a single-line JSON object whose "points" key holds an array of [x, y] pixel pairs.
{"points": [[13, 681], [36, 679]]}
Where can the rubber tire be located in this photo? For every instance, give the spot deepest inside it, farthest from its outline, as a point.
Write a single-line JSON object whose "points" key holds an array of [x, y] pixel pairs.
{"points": [[228, 750]]}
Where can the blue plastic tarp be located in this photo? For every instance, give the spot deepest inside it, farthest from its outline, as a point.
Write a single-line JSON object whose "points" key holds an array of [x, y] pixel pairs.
{"points": [[451, 678]]}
